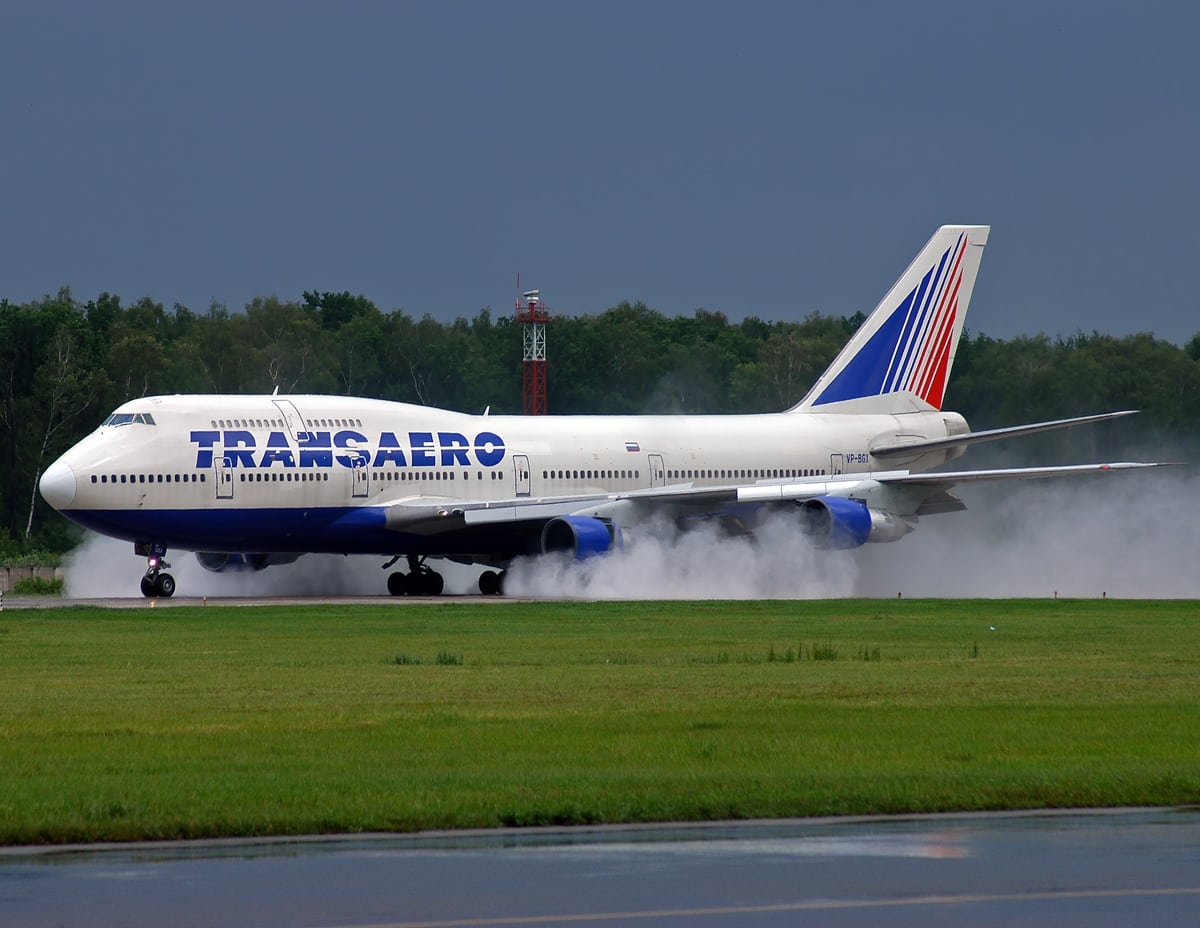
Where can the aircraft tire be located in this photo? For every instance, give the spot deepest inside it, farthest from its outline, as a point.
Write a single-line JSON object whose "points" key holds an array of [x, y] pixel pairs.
{"points": [[148, 586], [397, 584], [489, 583], [426, 583], [164, 585]]}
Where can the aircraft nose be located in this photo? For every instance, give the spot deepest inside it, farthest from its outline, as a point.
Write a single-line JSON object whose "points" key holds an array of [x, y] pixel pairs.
{"points": [[58, 484]]}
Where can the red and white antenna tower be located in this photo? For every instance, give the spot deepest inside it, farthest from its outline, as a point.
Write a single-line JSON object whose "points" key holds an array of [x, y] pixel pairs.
{"points": [[533, 315]]}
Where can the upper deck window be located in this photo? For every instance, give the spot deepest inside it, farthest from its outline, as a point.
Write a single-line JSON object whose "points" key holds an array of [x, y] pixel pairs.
{"points": [[128, 418]]}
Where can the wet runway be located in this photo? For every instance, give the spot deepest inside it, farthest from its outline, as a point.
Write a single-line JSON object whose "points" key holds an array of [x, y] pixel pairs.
{"points": [[141, 602], [1119, 868]]}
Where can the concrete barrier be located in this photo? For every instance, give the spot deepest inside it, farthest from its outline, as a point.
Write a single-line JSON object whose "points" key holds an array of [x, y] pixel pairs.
{"points": [[10, 575]]}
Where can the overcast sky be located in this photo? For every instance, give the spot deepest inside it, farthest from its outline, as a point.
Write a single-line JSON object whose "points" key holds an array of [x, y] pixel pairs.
{"points": [[769, 159]]}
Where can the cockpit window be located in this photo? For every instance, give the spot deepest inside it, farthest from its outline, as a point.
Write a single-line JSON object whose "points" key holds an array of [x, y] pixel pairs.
{"points": [[127, 418]]}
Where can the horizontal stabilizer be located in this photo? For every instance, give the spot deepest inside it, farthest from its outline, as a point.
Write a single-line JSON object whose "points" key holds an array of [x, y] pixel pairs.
{"points": [[920, 446]]}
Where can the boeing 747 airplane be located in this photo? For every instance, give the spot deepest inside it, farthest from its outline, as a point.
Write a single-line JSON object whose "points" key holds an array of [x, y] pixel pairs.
{"points": [[250, 481]]}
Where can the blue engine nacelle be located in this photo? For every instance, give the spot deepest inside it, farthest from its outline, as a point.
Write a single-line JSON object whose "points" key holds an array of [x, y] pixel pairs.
{"points": [[581, 536], [835, 522], [220, 561]]}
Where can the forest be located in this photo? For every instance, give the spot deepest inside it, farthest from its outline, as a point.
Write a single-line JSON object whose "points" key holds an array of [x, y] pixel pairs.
{"points": [[65, 364]]}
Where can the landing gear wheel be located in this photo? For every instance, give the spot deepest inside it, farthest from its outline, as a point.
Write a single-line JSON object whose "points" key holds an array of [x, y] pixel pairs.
{"points": [[419, 581], [156, 581], [164, 585], [425, 582], [489, 583]]}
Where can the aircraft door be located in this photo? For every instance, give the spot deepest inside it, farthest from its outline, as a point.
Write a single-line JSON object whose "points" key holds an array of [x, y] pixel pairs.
{"points": [[836, 463], [658, 472], [360, 474], [223, 474], [291, 417], [521, 474]]}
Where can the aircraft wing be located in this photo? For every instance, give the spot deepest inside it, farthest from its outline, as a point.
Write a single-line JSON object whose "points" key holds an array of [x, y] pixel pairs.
{"points": [[943, 479], [432, 516], [918, 486]]}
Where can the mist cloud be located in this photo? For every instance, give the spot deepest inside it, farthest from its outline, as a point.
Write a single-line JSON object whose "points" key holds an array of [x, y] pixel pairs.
{"points": [[1128, 535], [1122, 535]]}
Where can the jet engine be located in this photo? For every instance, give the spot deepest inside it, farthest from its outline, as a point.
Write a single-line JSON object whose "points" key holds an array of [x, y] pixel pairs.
{"points": [[835, 522], [582, 536]]}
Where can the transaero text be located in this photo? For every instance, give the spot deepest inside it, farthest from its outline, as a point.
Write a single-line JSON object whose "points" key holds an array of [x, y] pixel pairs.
{"points": [[347, 448]]}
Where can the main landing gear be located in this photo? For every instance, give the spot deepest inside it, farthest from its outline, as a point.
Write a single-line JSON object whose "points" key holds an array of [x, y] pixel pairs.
{"points": [[422, 580], [419, 581], [491, 583], [157, 582]]}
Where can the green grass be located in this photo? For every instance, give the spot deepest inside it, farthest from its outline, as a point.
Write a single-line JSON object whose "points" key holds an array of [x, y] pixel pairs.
{"points": [[189, 722]]}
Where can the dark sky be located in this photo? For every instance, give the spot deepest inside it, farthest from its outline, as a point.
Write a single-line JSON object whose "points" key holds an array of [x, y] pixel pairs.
{"points": [[768, 159]]}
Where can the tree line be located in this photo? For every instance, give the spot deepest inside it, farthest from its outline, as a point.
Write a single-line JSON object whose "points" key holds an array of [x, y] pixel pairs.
{"points": [[65, 364]]}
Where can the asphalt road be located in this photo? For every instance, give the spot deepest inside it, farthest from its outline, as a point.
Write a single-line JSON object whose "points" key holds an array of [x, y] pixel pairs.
{"points": [[1116, 868]]}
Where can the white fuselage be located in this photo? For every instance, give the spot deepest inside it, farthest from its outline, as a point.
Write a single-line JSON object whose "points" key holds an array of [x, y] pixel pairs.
{"points": [[229, 453]]}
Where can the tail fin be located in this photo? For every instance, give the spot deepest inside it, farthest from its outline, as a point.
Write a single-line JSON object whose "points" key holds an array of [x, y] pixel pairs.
{"points": [[907, 345]]}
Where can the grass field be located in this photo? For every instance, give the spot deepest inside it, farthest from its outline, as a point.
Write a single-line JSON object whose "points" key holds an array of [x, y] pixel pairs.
{"points": [[188, 722]]}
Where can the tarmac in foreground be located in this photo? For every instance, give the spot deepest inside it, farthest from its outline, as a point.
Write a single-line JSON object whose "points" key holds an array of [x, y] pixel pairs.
{"points": [[1090, 868]]}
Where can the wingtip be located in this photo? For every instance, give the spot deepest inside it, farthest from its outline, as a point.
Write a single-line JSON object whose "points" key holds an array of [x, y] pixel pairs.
{"points": [[1132, 465]]}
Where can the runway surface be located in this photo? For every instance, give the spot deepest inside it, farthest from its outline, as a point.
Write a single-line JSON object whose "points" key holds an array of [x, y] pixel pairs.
{"points": [[1118, 868], [141, 602]]}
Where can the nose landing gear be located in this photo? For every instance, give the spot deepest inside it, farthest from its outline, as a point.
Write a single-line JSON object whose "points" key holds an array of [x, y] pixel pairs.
{"points": [[157, 582]]}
